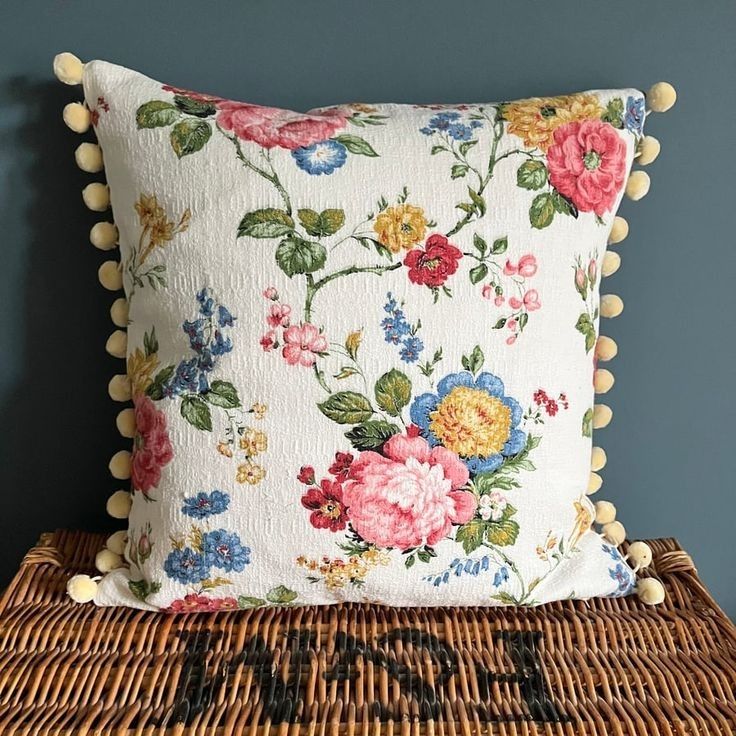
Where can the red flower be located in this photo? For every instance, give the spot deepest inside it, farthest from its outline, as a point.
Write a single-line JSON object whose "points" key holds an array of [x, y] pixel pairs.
{"points": [[325, 503], [152, 448], [306, 475], [587, 164], [432, 266], [341, 466], [194, 602]]}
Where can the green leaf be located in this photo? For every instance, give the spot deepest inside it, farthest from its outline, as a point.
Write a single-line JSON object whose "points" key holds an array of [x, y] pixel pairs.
{"points": [[393, 392], [465, 146], [501, 323], [585, 326], [150, 343], [371, 435], [409, 561], [424, 555], [542, 210], [156, 390], [505, 598], [189, 136], [523, 320], [321, 224], [502, 533], [198, 108], [356, 144], [563, 205], [470, 535], [141, 589], [458, 171], [500, 246], [222, 393], [266, 223], [474, 361], [531, 175], [479, 244], [587, 425], [437, 149], [614, 113], [478, 273], [347, 407], [478, 201], [156, 114], [296, 255], [281, 595], [247, 601], [196, 412]]}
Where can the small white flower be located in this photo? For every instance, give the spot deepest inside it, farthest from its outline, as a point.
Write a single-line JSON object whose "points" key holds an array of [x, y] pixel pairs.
{"points": [[492, 506]]}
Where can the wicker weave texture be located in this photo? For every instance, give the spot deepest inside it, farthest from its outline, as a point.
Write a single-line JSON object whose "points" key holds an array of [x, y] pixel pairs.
{"points": [[593, 668]]}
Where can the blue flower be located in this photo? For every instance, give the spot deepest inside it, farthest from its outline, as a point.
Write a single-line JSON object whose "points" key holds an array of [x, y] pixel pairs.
{"points": [[320, 158], [395, 325], [472, 417], [612, 552], [634, 116], [185, 378], [186, 566], [411, 350], [224, 318], [440, 121], [500, 577], [459, 132], [623, 576], [225, 550], [206, 303], [195, 333], [220, 346], [206, 504]]}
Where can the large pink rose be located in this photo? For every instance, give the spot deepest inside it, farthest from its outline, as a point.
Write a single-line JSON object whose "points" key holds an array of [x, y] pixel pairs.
{"points": [[152, 448], [409, 496], [271, 127], [587, 164]]}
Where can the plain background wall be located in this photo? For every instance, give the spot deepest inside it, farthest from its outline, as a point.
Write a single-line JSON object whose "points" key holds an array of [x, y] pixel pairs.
{"points": [[671, 445]]}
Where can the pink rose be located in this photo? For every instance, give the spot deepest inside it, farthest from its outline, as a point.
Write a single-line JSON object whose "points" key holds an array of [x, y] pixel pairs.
{"points": [[592, 270], [515, 303], [268, 341], [271, 127], [510, 269], [279, 315], [587, 164], [531, 300], [152, 448], [409, 496], [580, 278], [303, 344], [487, 292], [527, 266]]}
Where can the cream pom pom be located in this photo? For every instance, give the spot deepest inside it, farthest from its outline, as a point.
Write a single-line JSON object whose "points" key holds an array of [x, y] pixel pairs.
{"points": [[598, 459], [611, 305], [603, 380], [611, 263], [117, 542], [68, 68], [119, 312], [661, 97], [125, 422], [81, 589], [614, 532], [110, 275], [605, 512], [639, 555], [89, 157], [118, 505], [103, 235], [648, 150], [117, 344], [594, 484], [638, 185], [605, 348], [619, 230], [650, 591], [96, 196], [119, 388], [602, 416], [120, 465], [106, 560], [77, 117]]}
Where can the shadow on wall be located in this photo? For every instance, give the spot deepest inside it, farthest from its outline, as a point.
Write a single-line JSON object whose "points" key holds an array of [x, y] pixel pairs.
{"points": [[58, 422]]}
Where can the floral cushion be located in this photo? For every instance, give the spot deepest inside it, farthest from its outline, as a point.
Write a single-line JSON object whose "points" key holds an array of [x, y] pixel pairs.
{"points": [[360, 346]]}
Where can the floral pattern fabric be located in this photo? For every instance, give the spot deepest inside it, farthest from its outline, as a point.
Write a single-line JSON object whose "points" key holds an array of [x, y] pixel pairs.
{"points": [[358, 357]]}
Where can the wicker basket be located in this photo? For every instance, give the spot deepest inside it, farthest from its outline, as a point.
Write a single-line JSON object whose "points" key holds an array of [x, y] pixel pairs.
{"points": [[598, 667]]}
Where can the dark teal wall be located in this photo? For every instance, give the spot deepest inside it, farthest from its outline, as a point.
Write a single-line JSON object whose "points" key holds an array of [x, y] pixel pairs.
{"points": [[671, 445]]}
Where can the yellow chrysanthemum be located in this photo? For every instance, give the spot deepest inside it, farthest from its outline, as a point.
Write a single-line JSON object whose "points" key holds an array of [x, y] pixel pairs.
{"points": [[259, 410], [471, 422], [140, 370], [536, 119], [402, 226], [253, 442], [250, 473]]}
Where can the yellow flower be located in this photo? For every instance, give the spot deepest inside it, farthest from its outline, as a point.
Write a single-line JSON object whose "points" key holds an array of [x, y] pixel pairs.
{"points": [[250, 473], [140, 370], [536, 119], [375, 557], [362, 107], [583, 521], [253, 442], [352, 343], [156, 225], [470, 422], [148, 209], [259, 410], [224, 449], [402, 226]]}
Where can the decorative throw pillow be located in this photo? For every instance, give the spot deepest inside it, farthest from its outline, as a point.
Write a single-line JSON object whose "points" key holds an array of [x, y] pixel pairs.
{"points": [[360, 345]]}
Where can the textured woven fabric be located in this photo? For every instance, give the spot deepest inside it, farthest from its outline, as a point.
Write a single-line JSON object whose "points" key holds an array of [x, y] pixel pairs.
{"points": [[361, 345]]}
